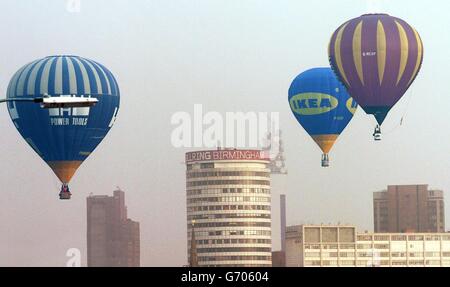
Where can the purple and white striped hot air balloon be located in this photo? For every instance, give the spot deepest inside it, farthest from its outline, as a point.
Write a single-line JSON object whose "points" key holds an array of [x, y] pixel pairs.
{"points": [[377, 57]]}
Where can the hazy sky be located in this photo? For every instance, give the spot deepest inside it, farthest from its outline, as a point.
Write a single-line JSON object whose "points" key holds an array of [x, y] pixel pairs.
{"points": [[228, 55]]}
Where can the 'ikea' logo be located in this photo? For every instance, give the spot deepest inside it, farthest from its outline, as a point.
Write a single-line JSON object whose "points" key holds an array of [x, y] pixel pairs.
{"points": [[351, 105], [313, 103]]}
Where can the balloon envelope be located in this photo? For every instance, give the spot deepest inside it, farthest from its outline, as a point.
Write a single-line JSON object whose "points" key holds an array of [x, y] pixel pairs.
{"points": [[63, 137], [377, 57], [321, 105]]}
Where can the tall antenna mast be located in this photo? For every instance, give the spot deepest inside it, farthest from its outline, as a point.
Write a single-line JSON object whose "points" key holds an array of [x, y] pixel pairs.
{"points": [[274, 144]]}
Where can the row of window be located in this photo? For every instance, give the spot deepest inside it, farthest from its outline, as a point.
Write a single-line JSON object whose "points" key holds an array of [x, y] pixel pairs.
{"points": [[234, 249], [229, 215], [227, 173], [235, 258], [202, 165], [397, 254], [348, 246], [402, 237], [228, 182], [370, 263], [237, 265], [341, 263], [330, 246], [229, 199], [228, 190], [231, 224], [419, 254], [228, 207], [416, 262], [233, 241], [233, 233]]}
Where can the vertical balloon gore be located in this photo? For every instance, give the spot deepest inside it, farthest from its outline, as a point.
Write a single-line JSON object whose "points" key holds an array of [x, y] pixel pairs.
{"points": [[63, 136], [377, 57], [64, 170], [322, 106]]}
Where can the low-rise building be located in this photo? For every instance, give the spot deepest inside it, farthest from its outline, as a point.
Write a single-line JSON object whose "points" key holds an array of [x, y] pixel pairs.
{"points": [[342, 245]]}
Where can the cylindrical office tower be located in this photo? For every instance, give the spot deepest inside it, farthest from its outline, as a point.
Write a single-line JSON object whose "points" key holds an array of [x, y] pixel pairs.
{"points": [[228, 196]]}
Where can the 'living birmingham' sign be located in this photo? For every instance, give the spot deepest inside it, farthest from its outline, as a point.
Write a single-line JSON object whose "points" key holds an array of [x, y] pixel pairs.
{"points": [[226, 154]]}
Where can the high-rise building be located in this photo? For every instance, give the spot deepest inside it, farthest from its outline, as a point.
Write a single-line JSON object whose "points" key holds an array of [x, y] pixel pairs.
{"points": [[408, 208], [112, 238], [228, 196], [342, 245]]}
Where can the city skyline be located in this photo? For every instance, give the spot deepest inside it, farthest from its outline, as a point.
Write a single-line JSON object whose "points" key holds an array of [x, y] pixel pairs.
{"points": [[228, 56]]}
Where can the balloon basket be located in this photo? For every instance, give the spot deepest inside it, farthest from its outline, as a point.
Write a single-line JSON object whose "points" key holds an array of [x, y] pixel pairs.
{"points": [[65, 194], [377, 133], [325, 160]]}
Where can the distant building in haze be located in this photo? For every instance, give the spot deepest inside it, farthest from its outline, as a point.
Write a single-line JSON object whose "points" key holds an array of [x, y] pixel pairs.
{"points": [[228, 196], [409, 208], [278, 259], [113, 240]]}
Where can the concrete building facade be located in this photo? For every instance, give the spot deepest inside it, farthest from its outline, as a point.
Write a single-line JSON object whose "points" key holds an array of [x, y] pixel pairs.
{"points": [[342, 246], [113, 240], [228, 197], [409, 208]]}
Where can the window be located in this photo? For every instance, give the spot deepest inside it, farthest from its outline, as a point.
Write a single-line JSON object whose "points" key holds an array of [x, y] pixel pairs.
{"points": [[347, 262], [381, 237], [433, 238], [381, 246], [432, 254], [416, 262], [365, 254], [433, 262], [364, 237], [207, 165], [415, 237], [347, 246], [312, 254], [329, 246], [364, 246], [398, 237], [347, 254], [312, 263], [398, 254], [362, 263]]}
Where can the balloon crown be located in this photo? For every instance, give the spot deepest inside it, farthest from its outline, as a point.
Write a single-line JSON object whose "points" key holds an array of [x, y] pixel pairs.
{"points": [[374, 14]]}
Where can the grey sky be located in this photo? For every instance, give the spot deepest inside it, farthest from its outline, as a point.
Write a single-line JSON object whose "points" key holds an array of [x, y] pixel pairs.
{"points": [[168, 55]]}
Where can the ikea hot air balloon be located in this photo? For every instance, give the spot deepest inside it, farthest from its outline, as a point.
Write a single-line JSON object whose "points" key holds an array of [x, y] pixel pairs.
{"points": [[322, 106], [377, 57], [63, 136]]}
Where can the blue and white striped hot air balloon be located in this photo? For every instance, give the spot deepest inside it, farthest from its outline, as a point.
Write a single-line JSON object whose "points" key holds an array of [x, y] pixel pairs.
{"points": [[63, 137]]}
